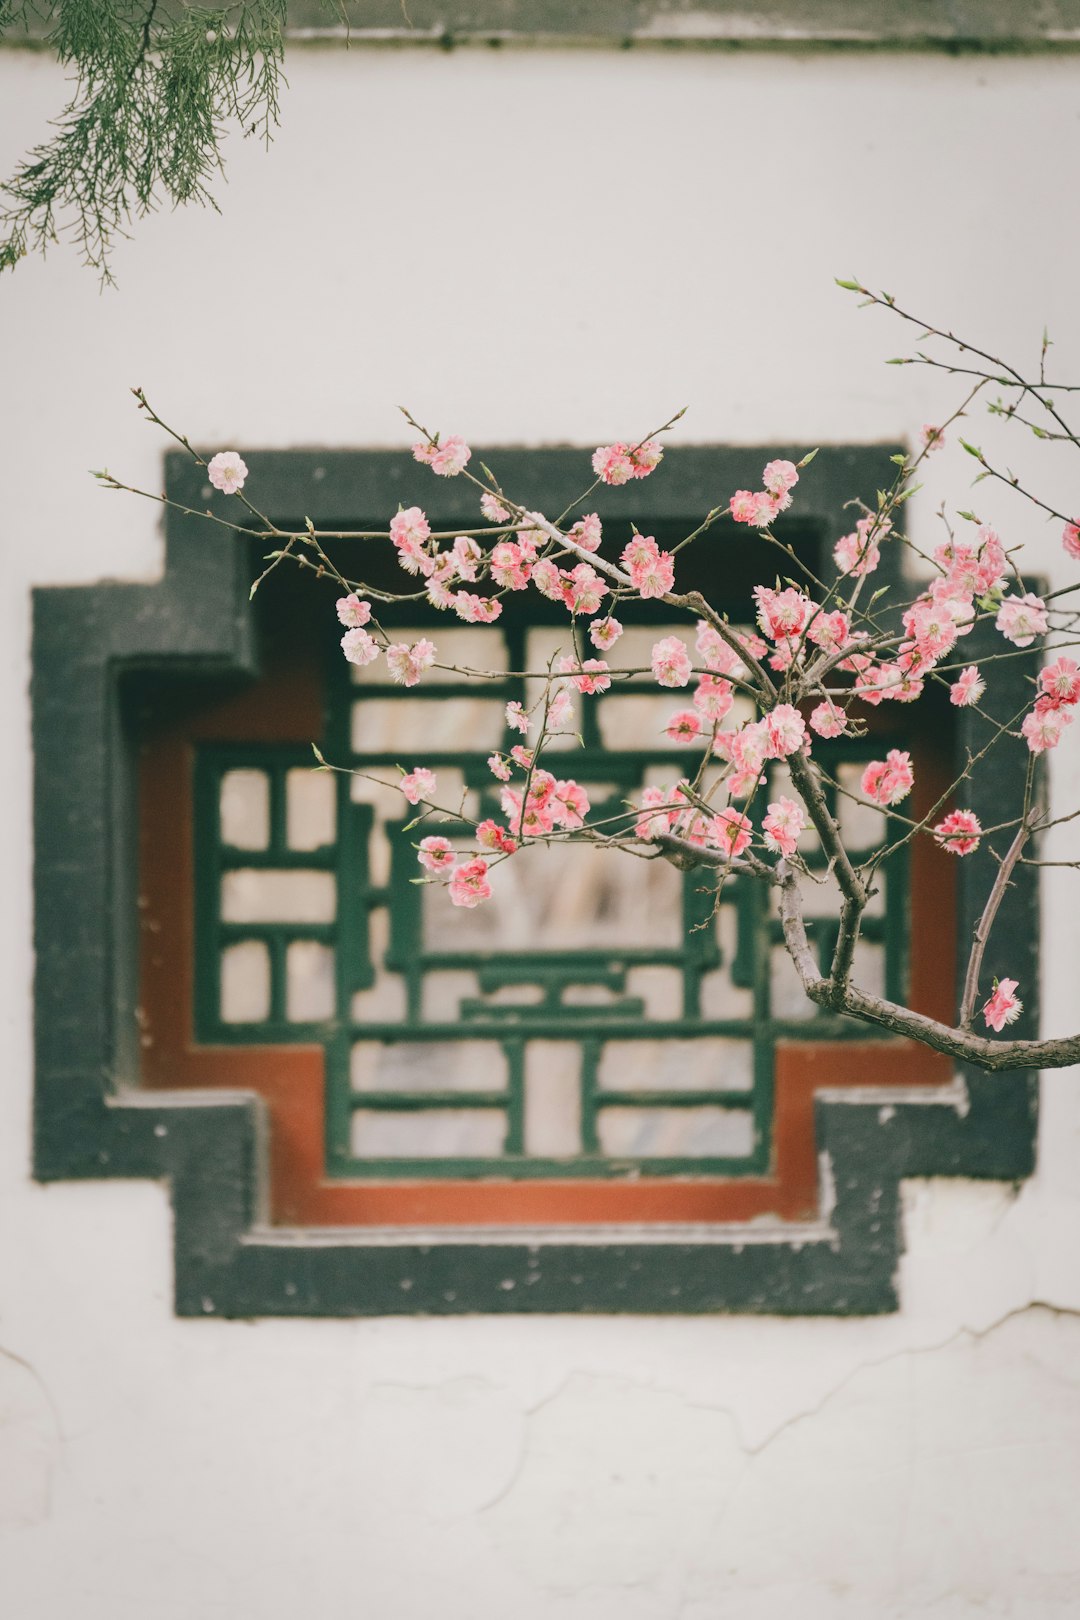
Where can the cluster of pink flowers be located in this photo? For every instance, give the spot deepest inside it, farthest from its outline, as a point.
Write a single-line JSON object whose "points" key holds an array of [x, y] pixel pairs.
{"points": [[447, 457], [934, 623], [888, 780], [406, 664], [618, 463], [549, 803], [1059, 693], [652, 571], [1070, 539], [782, 826], [760, 507]]}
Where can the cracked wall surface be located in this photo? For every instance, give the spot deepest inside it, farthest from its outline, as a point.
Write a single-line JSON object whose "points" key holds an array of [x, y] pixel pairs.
{"points": [[671, 227]]}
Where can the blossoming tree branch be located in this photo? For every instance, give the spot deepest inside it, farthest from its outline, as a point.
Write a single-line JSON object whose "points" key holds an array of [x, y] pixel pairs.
{"points": [[810, 657]]}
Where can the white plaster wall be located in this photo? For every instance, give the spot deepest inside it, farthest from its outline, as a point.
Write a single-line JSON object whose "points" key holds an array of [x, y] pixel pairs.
{"points": [[529, 247]]}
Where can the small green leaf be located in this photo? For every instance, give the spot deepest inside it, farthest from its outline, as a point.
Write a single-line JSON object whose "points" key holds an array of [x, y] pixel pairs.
{"points": [[899, 461], [849, 286], [806, 460], [971, 450]]}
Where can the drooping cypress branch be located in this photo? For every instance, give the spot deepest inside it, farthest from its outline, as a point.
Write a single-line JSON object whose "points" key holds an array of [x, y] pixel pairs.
{"points": [[156, 86]]}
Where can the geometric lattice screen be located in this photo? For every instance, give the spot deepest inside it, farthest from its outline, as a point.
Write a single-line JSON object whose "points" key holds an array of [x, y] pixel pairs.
{"points": [[603, 1016]]}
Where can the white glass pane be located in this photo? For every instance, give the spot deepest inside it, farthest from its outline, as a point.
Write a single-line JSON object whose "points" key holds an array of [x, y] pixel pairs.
{"points": [[868, 968], [310, 809], [253, 896], [411, 726], [427, 1066], [442, 992], [661, 989], [429, 1133], [675, 1133], [245, 809], [710, 1063], [309, 981], [552, 1099], [385, 1001], [245, 983]]}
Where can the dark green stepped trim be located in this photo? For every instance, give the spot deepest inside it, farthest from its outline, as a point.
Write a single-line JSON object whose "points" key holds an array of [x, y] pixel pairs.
{"points": [[89, 1122]]}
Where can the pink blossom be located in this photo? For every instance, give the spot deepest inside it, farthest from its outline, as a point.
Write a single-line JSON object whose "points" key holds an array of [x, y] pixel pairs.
{"points": [[714, 697], [476, 609], [583, 589], [656, 817], [829, 630], [547, 579], [227, 472], [782, 826], [586, 532], [1003, 1007], [1043, 728], [889, 780], [782, 614], [780, 476], [359, 647], [684, 726], [469, 885], [612, 464], [1070, 539], [715, 652], [758, 508], [489, 835], [560, 708], [670, 662], [409, 526], [646, 456], [652, 571], [589, 676], [859, 552], [604, 633], [418, 784], [467, 557], [516, 717], [1021, 618], [407, 664], [498, 767], [967, 688], [571, 804], [786, 731], [747, 751], [828, 720], [1059, 683], [521, 756], [449, 457], [493, 509], [435, 854], [959, 832], [732, 830], [510, 566], [351, 612], [932, 437], [932, 629]]}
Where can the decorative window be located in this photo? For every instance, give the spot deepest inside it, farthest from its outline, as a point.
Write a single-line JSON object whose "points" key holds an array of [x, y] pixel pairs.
{"points": [[572, 1099]]}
